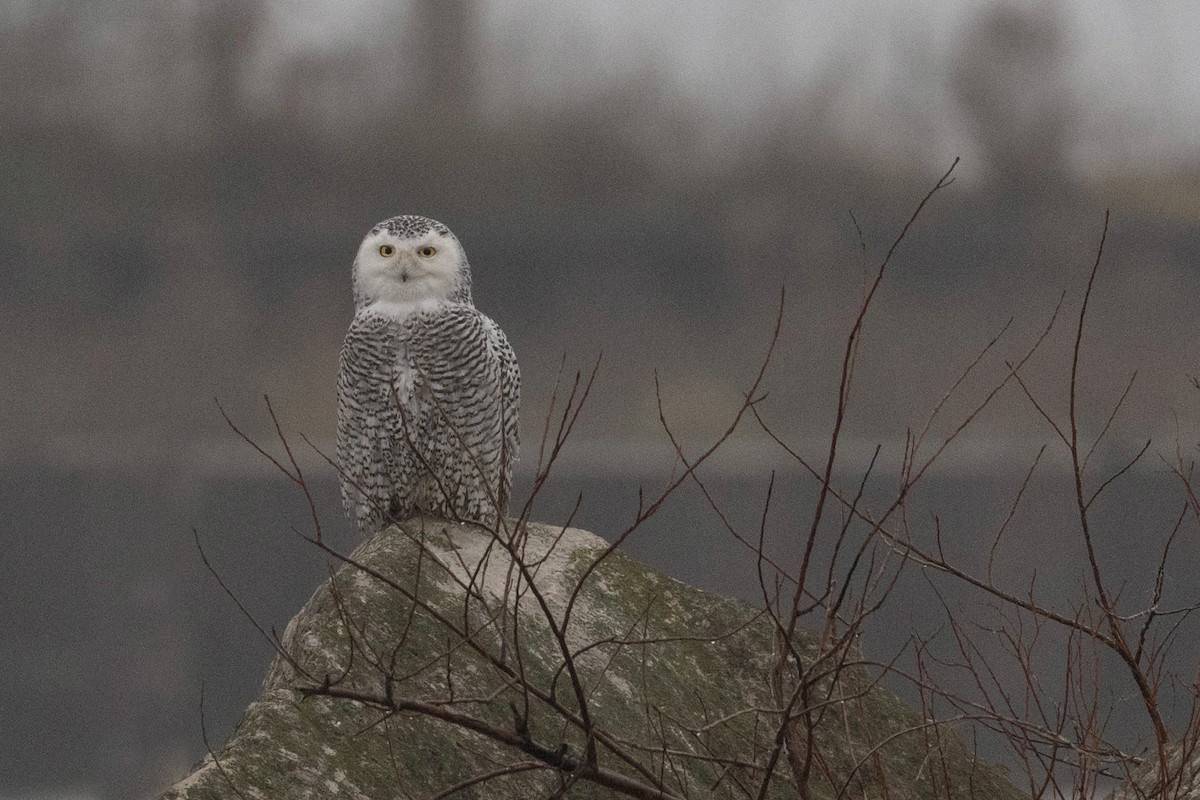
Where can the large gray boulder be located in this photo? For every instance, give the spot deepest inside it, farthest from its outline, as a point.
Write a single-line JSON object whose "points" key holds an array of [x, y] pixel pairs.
{"points": [[676, 679]]}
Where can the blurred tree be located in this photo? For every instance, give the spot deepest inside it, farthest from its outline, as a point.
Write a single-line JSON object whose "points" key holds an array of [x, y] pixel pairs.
{"points": [[1008, 78], [227, 31], [441, 39], [41, 67]]}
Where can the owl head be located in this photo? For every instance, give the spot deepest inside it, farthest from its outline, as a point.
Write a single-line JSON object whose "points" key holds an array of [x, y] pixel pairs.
{"points": [[410, 262]]}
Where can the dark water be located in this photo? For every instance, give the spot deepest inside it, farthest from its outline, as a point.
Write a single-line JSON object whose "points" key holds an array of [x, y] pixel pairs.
{"points": [[110, 624]]}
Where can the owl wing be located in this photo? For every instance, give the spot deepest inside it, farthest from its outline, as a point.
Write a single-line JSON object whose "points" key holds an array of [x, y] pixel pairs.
{"points": [[511, 384], [374, 409], [467, 381]]}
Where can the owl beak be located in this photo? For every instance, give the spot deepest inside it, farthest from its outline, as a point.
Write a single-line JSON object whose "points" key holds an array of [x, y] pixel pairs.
{"points": [[404, 275]]}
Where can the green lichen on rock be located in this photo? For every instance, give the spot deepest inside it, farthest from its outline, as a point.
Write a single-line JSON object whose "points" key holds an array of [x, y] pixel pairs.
{"points": [[678, 679]]}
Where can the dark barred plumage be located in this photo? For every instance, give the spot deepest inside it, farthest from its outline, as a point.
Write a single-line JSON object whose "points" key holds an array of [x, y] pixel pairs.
{"points": [[428, 401]]}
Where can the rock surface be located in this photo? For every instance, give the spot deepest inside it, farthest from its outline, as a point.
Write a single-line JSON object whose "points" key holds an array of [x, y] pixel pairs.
{"points": [[677, 678]]}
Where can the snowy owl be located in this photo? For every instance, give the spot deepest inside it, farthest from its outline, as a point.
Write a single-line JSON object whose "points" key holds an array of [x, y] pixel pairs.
{"points": [[428, 387]]}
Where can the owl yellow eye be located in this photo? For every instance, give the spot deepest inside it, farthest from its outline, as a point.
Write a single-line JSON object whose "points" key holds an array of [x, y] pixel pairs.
{"points": [[426, 251], [386, 250]]}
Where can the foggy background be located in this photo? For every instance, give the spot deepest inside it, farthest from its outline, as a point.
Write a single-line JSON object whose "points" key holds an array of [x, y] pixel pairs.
{"points": [[183, 186]]}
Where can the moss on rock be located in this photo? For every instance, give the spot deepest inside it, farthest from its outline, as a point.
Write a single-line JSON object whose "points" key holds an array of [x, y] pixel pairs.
{"points": [[679, 676]]}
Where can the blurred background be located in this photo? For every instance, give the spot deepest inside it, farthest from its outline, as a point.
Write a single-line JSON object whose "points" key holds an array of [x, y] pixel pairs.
{"points": [[183, 185]]}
